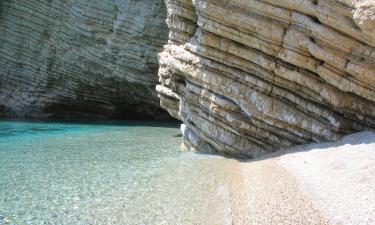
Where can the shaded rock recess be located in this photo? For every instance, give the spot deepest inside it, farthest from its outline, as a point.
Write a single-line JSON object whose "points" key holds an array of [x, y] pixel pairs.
{"points": [[86, 58]]}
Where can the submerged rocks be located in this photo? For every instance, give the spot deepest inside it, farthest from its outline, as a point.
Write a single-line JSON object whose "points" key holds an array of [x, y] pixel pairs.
{"points": [[249, 77], [80, 58]]}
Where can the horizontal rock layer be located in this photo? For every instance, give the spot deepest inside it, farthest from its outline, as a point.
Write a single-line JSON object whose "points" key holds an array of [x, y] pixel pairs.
{"points": [[80, 58], [248, 77]]}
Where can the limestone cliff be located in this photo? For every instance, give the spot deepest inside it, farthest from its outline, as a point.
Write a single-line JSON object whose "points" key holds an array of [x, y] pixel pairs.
{"points": [[247, 77], [86, 58]]}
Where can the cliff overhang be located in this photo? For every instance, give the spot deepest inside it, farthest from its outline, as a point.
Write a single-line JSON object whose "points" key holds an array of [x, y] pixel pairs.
{"points": [[250, 77]]}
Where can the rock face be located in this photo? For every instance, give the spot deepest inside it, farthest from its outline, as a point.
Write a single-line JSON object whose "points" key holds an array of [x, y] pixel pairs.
{"points": [[248, 77], [86, 58]]}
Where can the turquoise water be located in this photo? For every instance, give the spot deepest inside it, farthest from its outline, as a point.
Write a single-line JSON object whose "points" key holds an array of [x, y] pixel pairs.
{"points": [[114, 173]]}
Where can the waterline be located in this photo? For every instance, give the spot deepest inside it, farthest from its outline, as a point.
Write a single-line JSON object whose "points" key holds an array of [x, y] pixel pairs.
{"points": [[128, 173]]}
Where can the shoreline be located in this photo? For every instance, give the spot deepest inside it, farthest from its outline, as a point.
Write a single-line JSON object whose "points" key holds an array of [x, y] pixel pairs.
{"points": [[327, 183], [263, 192]]}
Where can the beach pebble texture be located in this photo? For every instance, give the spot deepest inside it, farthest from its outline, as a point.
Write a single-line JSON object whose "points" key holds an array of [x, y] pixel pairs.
{"points": [[329, 183], [250, 77], [86, 58], [338, 177]]}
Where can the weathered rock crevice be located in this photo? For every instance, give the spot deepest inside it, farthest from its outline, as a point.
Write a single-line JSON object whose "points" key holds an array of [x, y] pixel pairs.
{"points": [[260, 75], [81, 59]]}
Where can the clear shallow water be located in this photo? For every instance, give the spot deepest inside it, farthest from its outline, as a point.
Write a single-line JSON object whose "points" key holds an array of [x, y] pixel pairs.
{"points": [[128, 173]]}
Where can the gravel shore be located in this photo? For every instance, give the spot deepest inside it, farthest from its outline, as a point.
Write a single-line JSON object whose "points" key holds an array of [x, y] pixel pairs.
{"points": [[330, 183], [266, 193]]}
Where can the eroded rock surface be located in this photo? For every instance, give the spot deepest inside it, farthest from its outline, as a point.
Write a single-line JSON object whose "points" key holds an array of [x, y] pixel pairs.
{"points": [[86, 58], [248, 77]]}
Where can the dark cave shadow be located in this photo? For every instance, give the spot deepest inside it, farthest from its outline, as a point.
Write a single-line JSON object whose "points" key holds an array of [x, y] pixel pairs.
{"points": [[171, 123]]}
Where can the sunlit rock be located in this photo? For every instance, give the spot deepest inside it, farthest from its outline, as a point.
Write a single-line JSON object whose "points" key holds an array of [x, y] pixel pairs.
{"points": [[249, 77]]}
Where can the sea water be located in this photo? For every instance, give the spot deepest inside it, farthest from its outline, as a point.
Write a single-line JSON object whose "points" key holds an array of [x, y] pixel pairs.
{"points": [[107, 173]]}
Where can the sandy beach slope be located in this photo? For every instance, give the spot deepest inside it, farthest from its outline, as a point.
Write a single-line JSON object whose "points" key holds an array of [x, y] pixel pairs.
{"points": [[329, 183]]}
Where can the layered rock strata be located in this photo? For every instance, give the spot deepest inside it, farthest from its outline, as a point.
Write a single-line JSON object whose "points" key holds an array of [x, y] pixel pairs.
{"points": [[87, 58], [248, 77]]}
